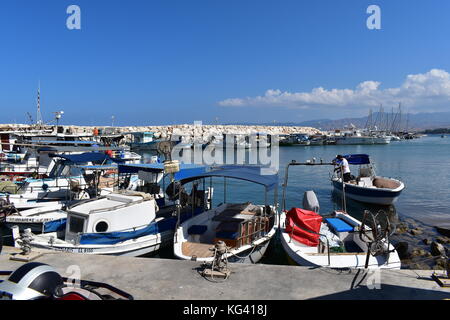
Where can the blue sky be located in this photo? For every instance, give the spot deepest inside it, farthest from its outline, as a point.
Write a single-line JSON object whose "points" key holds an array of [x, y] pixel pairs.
{"points": [[166, 61]]}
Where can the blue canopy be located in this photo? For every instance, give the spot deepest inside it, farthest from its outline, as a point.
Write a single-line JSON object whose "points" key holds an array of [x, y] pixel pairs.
{"points": [[63, 142], [356, 159], [185, 169], [47, 149], [112, 166], [84, 157], [136, 167], [265, 176]]}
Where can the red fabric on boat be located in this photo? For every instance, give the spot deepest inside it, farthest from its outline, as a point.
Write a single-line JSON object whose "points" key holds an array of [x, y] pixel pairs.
{"points": [[72, 296], [305, 219]]}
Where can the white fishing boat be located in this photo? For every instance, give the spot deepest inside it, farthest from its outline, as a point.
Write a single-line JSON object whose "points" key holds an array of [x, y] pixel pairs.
{"points": [[337, 240], [124, 222], [245, 228], [317, 140], [66, 181], [367, 186], [356, 137], [144, 141], [117, 224], [300, 139], [51, 216]]}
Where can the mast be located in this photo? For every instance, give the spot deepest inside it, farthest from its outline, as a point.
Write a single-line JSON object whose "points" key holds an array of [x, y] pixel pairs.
{"points": [[369, 121], [407, 121], [38, 112]]}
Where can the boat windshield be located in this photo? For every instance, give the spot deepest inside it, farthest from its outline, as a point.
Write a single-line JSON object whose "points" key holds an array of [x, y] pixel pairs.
{"points": [[62, 169]]}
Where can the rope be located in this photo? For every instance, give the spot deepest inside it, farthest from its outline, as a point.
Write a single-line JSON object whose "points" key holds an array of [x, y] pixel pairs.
{"points": [[218, 258], [240, 257]]}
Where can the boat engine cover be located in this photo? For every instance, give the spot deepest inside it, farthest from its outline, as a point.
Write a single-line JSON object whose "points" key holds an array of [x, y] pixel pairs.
{"points": [[310, 201]]}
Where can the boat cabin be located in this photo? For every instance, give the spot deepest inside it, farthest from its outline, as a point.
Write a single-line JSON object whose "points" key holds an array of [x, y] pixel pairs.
{"points": [[143, 137], [107, 215]]}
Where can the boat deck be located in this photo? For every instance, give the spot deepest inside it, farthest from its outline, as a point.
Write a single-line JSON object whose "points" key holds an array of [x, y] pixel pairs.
{"points": [[200, 250]]}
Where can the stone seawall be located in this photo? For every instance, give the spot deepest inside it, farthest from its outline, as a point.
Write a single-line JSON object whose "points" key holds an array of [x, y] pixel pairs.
{"points": [[181, 129]]}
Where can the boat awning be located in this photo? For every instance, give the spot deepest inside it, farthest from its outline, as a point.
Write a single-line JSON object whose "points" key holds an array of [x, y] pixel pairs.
{"points": [[99, 167], [47, 149], [84, 157], [185, 169], [267, 177], [63, 142], [356, 159]]}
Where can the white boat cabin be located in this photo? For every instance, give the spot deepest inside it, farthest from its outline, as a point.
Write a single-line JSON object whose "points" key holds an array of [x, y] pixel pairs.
{"points": [[116, 212]]}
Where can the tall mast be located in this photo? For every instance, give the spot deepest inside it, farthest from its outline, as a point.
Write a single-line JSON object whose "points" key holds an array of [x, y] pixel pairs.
{"points": [[38, 112]]}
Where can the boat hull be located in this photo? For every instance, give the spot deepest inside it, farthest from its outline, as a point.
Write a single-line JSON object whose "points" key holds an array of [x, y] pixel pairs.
{"points": [[368, 195], [297, 256], [251, 255], [363, 140], [132, 248]]}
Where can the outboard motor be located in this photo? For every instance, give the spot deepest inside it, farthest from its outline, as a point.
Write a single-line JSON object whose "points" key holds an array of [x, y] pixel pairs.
{"points": [[310, 201]]}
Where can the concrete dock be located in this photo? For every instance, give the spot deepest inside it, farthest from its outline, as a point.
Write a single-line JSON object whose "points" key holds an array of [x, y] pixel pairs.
{"points": [[153, 278]]}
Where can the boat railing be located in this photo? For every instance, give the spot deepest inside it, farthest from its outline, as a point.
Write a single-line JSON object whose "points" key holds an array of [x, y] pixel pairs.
{"points": [[310, 231], [253, 229], [117, 207], [9, 189]]}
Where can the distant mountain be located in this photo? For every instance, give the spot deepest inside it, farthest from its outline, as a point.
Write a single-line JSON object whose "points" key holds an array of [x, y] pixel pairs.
{"points": [[415, 122], [418, 121]]}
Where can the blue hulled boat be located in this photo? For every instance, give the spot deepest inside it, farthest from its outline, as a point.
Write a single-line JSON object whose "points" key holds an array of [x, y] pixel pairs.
{"points": [[367, 186]]}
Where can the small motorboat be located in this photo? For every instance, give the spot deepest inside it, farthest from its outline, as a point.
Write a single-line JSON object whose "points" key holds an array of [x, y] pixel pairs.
{"points": [[245, 228], [338, 241], [367, 186]]}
